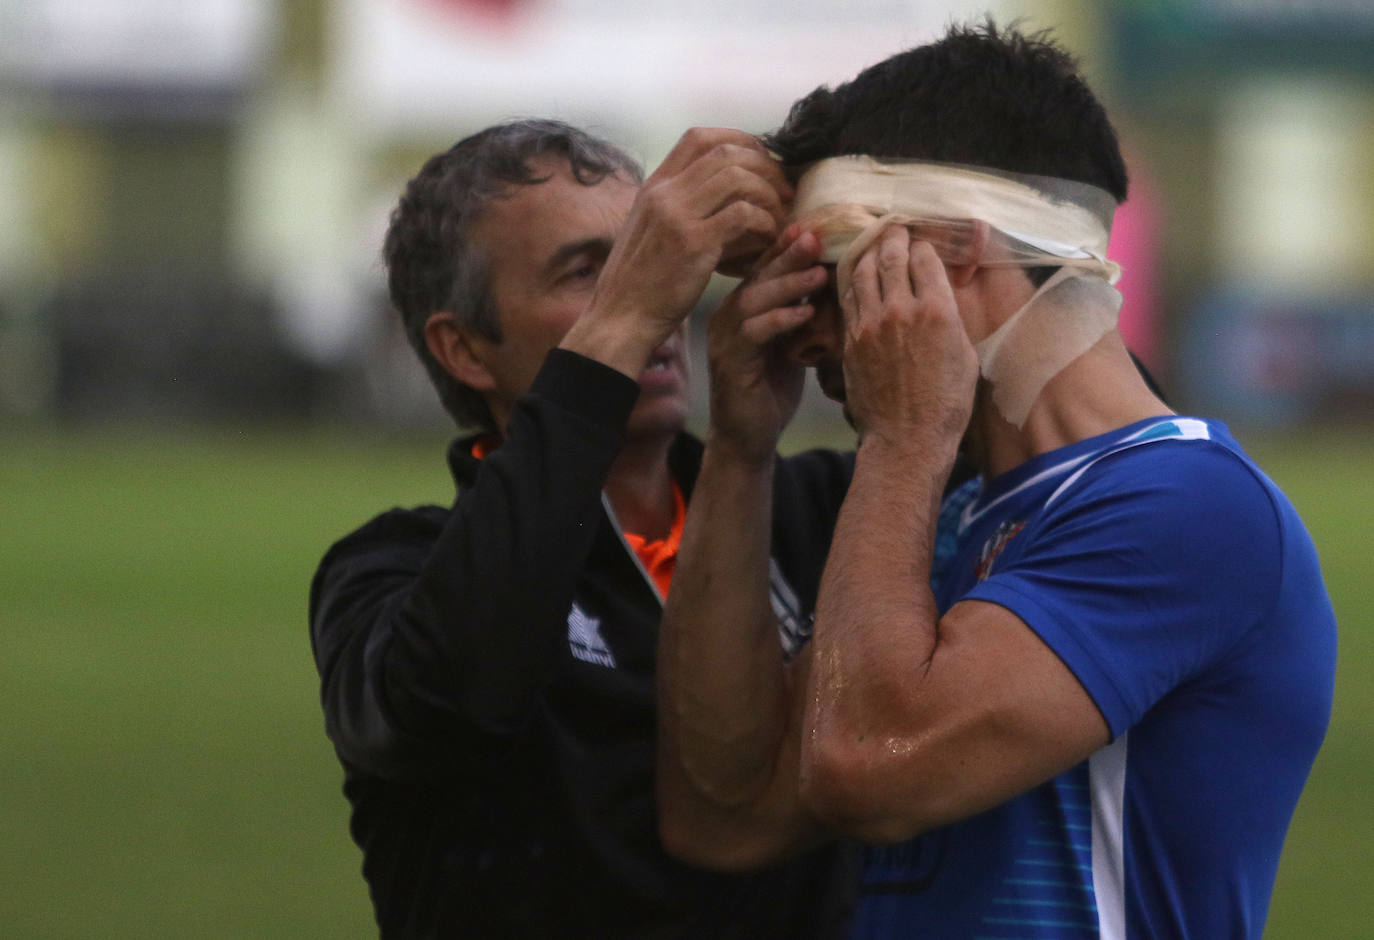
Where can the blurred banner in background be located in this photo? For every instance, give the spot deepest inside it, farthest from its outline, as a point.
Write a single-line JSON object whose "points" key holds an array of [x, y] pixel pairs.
{"points": [[193, 195], [1260, 114]]}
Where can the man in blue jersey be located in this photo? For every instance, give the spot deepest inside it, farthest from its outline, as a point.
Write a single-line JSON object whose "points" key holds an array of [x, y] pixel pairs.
{"points": [[1081, 695]]}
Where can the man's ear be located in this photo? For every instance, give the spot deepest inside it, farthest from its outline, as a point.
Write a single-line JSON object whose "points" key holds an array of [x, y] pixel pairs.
{"points": [[969, 255], [460, 352]]}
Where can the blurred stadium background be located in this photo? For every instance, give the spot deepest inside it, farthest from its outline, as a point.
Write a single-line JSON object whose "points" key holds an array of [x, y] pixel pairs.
{"points": [[201, 385]]}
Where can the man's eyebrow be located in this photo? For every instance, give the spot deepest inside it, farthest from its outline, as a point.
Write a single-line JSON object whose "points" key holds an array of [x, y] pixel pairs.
{"points": [[599, 247]]}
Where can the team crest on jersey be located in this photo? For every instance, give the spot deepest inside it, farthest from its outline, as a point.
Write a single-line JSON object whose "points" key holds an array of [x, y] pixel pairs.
{"points": [[585, 640], [993, 547]]}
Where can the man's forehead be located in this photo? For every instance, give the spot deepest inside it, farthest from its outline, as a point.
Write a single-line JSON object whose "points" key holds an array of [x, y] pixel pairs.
{"points": [[532, 222]]}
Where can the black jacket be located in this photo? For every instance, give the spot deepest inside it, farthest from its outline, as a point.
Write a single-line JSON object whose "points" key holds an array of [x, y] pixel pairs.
{"points": [[487, 678]]}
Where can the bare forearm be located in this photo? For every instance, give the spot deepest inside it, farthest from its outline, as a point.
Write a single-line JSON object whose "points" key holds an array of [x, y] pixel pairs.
{"points": [[876, 623], [879, 563], [728, 718], [723, 693]]}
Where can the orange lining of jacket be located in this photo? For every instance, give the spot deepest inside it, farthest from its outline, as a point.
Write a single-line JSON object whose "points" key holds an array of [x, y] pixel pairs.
{"points": [[659, 557]]}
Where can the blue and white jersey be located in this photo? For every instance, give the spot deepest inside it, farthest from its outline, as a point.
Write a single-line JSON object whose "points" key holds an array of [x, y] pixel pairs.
{"points": [[1178, 584]]}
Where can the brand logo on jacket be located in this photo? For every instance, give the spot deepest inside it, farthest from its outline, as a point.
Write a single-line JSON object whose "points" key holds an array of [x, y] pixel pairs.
{"points": [[585, 640]]}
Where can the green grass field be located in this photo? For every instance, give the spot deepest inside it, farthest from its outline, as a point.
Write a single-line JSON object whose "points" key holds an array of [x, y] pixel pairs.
{"points": [[165, 771]]}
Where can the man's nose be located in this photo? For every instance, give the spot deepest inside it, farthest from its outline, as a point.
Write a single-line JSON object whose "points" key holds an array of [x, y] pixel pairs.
{"points": [[817, 340]]}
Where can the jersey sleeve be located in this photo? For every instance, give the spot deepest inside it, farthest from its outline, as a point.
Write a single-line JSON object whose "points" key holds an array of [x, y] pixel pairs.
{"points": [[433, 629], [1146, 570]]}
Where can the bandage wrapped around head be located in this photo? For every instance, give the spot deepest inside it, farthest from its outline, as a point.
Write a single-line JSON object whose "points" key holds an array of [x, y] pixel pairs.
{"points": [[1034, 221]]}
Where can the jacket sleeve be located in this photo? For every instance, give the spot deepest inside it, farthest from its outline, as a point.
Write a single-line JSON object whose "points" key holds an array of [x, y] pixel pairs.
{"points": [[433, 632]]}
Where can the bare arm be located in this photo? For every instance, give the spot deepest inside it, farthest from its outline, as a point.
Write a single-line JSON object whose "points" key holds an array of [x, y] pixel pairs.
{"points": [[914, 720], [729, 712]]}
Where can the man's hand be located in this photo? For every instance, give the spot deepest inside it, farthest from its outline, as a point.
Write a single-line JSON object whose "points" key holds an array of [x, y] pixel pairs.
{"points": [[717, 195], [910, 370], [755, 387]]}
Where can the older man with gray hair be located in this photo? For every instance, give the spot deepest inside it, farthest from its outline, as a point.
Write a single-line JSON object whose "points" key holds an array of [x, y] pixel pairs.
{"points": [[487, 668]]}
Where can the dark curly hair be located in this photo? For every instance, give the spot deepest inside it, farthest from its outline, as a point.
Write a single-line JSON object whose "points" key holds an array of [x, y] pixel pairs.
{"points": [[432, 267], [979, 95]]}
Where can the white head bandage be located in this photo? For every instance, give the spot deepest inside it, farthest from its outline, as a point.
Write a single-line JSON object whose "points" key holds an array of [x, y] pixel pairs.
{"points": [[1036, 221]]}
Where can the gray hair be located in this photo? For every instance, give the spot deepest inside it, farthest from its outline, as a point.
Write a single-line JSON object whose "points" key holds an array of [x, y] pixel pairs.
{"points": [[431, 265]]}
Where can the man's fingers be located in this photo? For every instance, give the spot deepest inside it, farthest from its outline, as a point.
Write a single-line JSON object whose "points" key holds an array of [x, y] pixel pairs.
{"points": [[893, 251], [717, 146], [747, 164], [723, 194], [736, 184], [748, 155], [786, 239], [710, 185], [780, 290], [795, 249], [699, 140], [926, 272], [763, 328], [864, 299], [741, 227]]}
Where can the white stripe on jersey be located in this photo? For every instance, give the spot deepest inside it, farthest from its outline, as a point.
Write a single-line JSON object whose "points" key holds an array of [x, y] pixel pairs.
{"points": [[1174, 429], [1107, 779]]}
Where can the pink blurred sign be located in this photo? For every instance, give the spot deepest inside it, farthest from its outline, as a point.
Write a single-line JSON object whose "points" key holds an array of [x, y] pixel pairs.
{"points": [[1134, 241]]}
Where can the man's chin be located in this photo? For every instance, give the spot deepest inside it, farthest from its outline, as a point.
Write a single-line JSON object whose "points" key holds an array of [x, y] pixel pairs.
{"points": [[834, 390], [831, 386], [656, 419]]}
